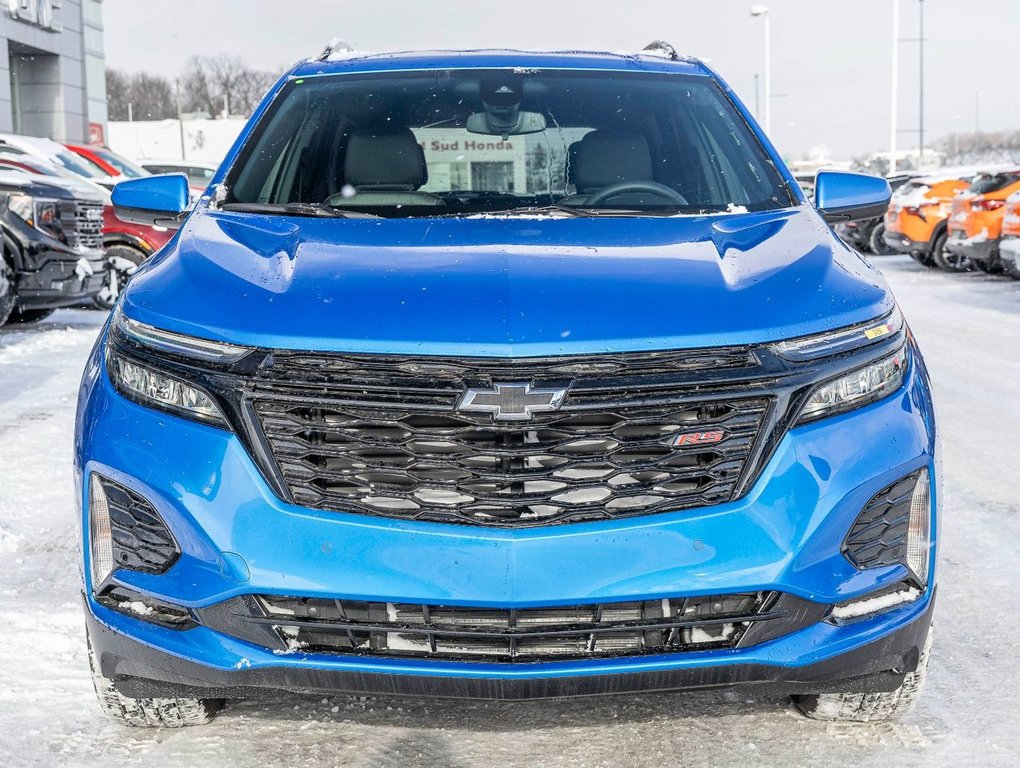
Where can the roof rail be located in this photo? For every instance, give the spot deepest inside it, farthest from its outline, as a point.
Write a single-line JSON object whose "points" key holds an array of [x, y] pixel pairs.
{"points": [[661, 48], [334, 45]]}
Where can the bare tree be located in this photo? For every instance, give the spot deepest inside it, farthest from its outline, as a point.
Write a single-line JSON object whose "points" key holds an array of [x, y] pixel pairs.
{"points": [[141, 96], [216, 84]]}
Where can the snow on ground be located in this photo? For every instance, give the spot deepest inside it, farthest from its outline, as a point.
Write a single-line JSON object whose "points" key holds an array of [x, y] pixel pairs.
{"points": [[969, 326]]}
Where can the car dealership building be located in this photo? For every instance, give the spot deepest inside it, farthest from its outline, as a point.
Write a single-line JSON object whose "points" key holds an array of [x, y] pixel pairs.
{"points": [[53, 81]]}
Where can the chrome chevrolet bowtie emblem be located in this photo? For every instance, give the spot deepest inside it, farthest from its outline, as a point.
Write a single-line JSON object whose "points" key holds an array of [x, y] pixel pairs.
{"points": [[512, 402]]}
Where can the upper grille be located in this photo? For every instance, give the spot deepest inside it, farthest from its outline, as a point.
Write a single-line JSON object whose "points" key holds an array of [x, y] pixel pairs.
{"points": [[83, 224], [383, 436]]}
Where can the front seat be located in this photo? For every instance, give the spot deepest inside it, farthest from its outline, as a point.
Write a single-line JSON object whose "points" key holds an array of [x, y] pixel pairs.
{"points": [[607, 157], [385, 166]]}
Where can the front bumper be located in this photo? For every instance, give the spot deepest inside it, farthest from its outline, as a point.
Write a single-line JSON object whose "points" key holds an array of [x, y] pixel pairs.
{"points": [[1009, 254], [888, 650], [62, 279], [237, 538], [903, 244], [978, 248]]}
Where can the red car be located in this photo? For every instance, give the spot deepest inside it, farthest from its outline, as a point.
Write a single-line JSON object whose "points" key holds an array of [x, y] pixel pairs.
{"points": [[108, 161], [127, 246]]}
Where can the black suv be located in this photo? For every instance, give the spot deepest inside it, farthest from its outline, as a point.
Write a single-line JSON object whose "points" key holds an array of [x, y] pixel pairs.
{"points": [[52, 246], [868, 235]]}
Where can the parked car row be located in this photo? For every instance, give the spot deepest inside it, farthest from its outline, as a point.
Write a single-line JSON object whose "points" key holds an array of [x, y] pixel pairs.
{"points": [[62, 244], [957, 220]]}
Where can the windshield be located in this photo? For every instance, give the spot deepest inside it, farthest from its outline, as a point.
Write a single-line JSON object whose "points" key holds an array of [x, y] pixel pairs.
{"points": [[122, 164], [488, 141], [78, 165], [993, 182]]}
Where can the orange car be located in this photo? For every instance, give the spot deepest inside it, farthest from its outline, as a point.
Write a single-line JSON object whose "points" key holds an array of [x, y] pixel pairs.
{"points": [[1009, 245], [975, 222], [915, 222]]}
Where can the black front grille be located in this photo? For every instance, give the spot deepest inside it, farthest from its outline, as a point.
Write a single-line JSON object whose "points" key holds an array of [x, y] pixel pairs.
{"points": [[879, 535], [322, 625], [83, 224], [384, 436]]}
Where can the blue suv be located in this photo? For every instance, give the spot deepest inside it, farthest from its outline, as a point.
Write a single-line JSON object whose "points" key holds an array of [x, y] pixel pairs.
{"points": [[505, 375]]}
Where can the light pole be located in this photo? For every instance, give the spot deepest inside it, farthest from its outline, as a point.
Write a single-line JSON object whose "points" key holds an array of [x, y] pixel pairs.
{"points": [[895, 89], [920, 121], [763, 10]]}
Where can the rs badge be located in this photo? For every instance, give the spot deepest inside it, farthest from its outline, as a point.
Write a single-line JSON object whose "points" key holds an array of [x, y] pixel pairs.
{"points": [[698, 438]]}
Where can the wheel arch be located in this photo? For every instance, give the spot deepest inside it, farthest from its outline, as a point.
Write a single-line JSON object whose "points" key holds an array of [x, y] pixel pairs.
{"points": [[12, 248], [125, 238]]}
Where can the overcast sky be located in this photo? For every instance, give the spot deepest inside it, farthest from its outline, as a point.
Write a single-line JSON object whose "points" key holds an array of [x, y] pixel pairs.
{"points": [[830, 69]]}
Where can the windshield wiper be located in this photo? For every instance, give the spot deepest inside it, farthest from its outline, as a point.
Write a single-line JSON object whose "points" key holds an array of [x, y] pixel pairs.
{"points": [[566, 211], [298, 209]]}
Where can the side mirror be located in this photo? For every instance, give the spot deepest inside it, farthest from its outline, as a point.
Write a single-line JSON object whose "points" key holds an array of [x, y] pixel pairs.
{"points": [[844, 196], [152, 200]]}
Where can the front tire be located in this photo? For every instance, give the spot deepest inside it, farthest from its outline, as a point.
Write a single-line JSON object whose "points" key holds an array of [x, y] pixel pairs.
{"points": [[8, 290], [949, 261], [30, 315], [989, 267], [149, 713], [876, 241], [869, 707], [121, 263]]}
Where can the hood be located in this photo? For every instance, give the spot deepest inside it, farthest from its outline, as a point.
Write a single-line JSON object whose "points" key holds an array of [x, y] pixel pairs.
{"points": [[505, 286]]}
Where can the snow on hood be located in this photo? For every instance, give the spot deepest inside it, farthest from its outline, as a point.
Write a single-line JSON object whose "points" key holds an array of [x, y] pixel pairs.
{"points": [[507, 286]]}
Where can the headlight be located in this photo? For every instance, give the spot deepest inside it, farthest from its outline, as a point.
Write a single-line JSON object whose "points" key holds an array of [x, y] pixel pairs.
{"points": [[857, 388], [159, 390], [840, 340], [41, 213], [176, 343]]}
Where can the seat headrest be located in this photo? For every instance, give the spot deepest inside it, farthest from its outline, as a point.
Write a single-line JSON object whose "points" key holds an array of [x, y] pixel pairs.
{"points": [[385, 159], [602, 158]]}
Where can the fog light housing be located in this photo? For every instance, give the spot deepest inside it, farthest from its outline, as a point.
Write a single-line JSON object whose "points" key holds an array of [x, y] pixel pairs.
{"points": [[895, 528], [125, 532], [100, 534], [145, 607], [919, 528]]}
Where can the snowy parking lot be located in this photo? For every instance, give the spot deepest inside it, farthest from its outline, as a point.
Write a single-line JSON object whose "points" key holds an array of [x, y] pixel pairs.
{"points": [[968, 326]]}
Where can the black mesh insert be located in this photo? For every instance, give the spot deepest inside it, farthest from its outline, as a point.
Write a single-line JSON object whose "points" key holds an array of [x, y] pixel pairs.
{"points": [[879, 535], [384, 436], [141, 541]]}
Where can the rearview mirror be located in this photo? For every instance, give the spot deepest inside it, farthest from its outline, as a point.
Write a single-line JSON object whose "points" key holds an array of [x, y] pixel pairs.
{"points": [[152, 200], [490, 125], [844, 196]]}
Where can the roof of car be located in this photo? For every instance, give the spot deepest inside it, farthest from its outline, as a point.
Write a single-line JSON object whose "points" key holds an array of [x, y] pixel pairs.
{"points": [[178, 163], [343, 60]]}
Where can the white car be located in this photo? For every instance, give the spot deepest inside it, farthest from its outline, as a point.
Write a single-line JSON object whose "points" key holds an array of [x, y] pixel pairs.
{"points": [[1009, 246], [58, 154], [199, 173]]}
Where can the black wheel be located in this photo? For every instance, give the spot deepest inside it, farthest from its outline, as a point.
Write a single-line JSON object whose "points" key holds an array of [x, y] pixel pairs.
{"points": [[950, 261], [30, 315], [988, 266], [8, 290], [149, 713], [121, 263], [922, 258], [869, 707], [876, 241]]}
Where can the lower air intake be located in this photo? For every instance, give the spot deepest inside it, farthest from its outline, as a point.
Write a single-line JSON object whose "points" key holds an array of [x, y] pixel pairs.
{"points": [[322, 625]]}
